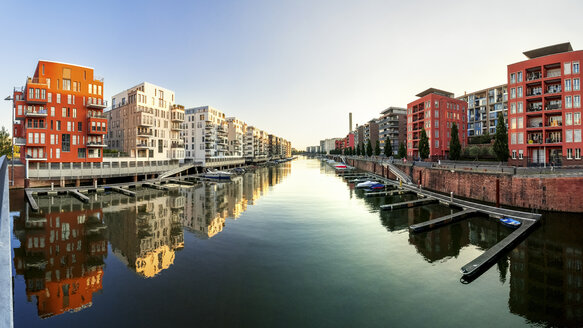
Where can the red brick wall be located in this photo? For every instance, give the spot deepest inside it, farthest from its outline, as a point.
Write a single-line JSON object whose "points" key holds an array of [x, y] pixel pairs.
{"points": [[552, 193]]}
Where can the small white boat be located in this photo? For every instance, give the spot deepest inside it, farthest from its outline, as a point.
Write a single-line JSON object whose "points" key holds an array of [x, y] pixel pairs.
{"points": [[219, 175], [366, 184]]}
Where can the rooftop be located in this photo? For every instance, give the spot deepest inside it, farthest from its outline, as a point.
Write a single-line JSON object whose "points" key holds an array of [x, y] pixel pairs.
{"points": [[549, 50], [435, 91], [396, 110]]}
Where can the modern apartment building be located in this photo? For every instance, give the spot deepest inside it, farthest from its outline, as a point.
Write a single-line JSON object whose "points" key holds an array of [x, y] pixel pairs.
{"points": [[253, 143], [545, 107], [393, 124], [236, 130], [58, 114], [435, 111], [205, 134], [145, 123], [371, 132], [484, 107]]}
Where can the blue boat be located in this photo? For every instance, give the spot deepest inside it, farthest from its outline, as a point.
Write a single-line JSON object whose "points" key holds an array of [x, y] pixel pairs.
{"points": [[377, 186], [509, 222]]}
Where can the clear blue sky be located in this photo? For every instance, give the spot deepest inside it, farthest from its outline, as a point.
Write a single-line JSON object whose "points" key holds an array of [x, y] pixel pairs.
{"points": [[292, 68]]}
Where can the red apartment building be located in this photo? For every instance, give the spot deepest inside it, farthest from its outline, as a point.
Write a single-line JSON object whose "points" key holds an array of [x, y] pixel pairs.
{"points": [[58, 115], [544, 110], [436, 111]]}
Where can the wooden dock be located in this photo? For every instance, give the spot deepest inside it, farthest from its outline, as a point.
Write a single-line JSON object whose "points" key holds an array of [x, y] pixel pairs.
{"points": [[442, 220], [388, 193], [412, 203], [123, 191], [31, 200], [477, 266], [78, 195]]}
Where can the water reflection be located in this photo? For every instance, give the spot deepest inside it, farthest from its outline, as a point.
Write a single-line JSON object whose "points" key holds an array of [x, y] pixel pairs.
{"points": [[63, 246], [61, 257], [545, 271]]}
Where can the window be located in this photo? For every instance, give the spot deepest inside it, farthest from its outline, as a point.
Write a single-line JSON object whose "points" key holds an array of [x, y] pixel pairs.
{"points": [[576, 84], [436, 104], [568, 118], [66, 84], [568, 103], [519, 107], [52, 139], [513, 108], [519, 92], [50, 97], [58, 125], [99, 90], [577, 101], [58, 153], [75, 112], [512, 93], [577, 135], [513, 125], [567, 68], [512, 78], [577, 153], [520, 123], [569, 135], [513, 139], [577, 118], [19, 109], [514, 154], [519, 77], [81, 153], [58, 98], [30, 136], [66, 142], [567, 85], [436, 114], [436, 123], [575, 67], [437, 133], [79, 126], [520, 138], [436, 143], [89, 87], [520, 154], [42, 138], [569, 153]]}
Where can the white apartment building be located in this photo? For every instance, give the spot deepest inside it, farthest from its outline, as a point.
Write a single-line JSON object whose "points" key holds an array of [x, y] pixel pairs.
{"points": [[252, 139], [236, 130], [144, 122]]}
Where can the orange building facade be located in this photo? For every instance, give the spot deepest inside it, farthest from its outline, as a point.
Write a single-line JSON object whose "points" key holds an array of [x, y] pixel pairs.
{"points": [[58, 115]]}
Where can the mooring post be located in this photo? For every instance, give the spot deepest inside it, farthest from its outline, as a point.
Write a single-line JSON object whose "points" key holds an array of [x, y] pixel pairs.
{"points": [[497, 192], [451, 196], [52, 186]]}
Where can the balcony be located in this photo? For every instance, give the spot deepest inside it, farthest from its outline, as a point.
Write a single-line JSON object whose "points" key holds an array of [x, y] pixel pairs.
{"points": [[142, 145], [145, 120], [177, 144], [145, 132], [209, 126], [36, 113], [553, 106], [96, 144], [19, 141], [176, 126], [95, 103], [97, 130], [552, 89], [30, 158], [96, 115]]}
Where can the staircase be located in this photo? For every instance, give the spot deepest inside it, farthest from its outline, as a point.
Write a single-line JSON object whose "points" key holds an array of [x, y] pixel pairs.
{"points": [[175, 171], [400, 174]]}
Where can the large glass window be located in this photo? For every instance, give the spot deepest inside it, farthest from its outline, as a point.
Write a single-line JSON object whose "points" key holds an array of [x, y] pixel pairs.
{"points": [[66, 142]]}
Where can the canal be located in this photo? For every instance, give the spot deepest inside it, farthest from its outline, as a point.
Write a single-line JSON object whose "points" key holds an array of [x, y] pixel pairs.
{"points": [[286, 246]]}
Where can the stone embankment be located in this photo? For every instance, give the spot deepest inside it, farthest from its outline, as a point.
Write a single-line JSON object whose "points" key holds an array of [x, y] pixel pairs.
{"points": [[561, 192]]}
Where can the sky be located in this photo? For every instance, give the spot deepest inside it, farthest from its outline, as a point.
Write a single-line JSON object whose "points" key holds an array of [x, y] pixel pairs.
{"points": [[292, 68]]}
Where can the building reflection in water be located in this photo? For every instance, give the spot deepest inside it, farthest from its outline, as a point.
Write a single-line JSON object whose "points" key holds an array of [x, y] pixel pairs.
{"points": [[209, 205], [61, 255], [145, 234], [546, 273], [63, 246]]}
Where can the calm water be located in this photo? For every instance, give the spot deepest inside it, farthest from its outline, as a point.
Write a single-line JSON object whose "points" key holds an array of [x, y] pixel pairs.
{"points": [[286, 246]]}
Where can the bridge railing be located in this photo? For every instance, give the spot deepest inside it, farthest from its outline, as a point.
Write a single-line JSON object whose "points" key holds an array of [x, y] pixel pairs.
{"points": [[6, 307]]}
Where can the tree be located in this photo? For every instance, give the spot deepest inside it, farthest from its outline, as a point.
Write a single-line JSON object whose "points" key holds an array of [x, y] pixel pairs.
{"points": [[362, 149], [402, 150], [501, 140], [377, 148], [388, 147], [455, 148], [5, 143], [358, 150], [369, 148], [423, 145]]}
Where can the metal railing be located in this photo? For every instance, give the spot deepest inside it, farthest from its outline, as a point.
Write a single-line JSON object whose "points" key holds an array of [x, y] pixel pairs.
{"points": [[110, 167], [6, 305]]}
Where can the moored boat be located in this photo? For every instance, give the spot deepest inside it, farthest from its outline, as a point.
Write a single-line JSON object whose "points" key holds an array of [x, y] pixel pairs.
{"points": [[218, 175], [509, 222], [366, 184]]}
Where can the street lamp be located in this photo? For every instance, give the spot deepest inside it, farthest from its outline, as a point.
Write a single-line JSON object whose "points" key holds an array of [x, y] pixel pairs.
{"points": [[9, 98]]}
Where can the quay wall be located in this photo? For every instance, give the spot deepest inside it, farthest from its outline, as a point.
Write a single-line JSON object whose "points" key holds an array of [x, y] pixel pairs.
{"points": [[552, 193]]}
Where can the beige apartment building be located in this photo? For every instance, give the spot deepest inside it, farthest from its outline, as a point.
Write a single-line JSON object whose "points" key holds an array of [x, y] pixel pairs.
{"points": [[484, 107], [235, 134], [146, 123]]}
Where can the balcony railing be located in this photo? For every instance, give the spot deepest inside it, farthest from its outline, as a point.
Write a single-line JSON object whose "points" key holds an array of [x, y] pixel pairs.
{"points": [[533, 76], [177, 145], [553, 106], [36, 113], [553, 89], [95, 103], [96, 144], [145, 132], [96, 115], [19, 141]]}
